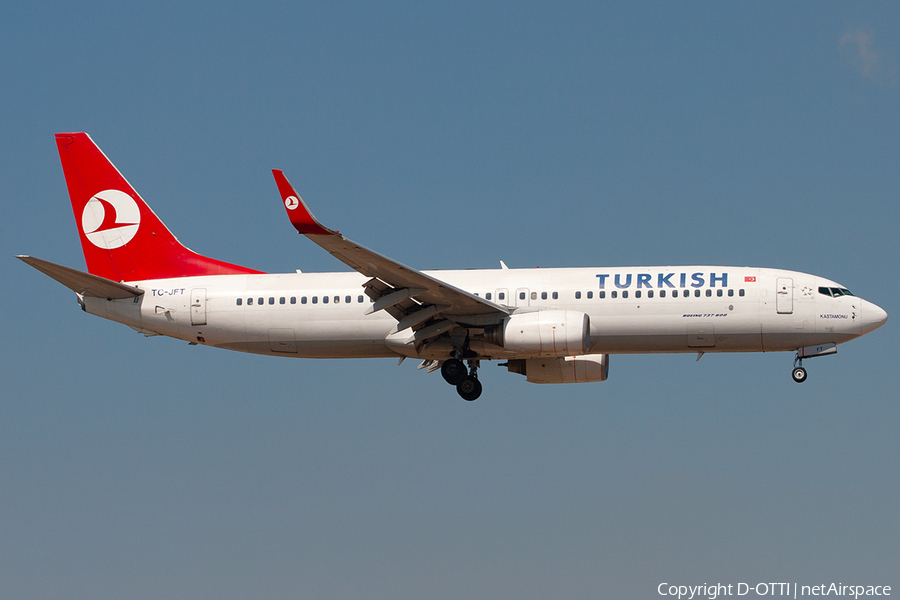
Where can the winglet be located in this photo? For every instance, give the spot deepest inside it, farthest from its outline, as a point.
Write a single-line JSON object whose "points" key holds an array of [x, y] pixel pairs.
{"points": [[301, 218]]}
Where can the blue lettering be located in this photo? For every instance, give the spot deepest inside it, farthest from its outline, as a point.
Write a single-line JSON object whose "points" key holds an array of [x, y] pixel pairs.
{"points": [[627, 281], [697, 278], [683, 276], [644, 280], [602, 280], [713, 279], [665, 280]]}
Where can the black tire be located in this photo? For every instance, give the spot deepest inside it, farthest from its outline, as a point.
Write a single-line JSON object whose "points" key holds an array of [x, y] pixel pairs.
{"points": [[469, 388], [453, 371], [799, 374]]}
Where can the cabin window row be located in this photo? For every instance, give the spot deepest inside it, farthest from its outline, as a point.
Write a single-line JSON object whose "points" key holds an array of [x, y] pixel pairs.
{"points": [[615, 294], [261, 301], [719, 293]]}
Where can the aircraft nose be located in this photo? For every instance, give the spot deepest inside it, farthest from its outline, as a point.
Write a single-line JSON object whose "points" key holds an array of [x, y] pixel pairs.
{"points": [[873, 317]]}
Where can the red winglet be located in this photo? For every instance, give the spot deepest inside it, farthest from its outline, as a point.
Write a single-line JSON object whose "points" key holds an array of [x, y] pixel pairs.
{"points": [[302, 220]]}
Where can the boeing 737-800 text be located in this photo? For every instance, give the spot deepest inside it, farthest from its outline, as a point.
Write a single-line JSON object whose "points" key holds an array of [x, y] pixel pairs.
{"points": [[550, 325]]}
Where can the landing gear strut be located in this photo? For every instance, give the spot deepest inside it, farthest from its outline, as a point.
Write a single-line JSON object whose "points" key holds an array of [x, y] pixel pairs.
{"points": [[469, 388], [799, 373]]}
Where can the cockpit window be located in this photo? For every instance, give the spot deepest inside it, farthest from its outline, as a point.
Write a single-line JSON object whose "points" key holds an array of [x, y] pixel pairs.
{"points": [[835, 292]]}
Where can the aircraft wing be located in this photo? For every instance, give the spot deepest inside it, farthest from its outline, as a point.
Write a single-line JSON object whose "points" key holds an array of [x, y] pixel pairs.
{"points": [[410, 296]]}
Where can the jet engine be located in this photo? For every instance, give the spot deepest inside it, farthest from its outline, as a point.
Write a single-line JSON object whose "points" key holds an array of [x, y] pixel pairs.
{"points": [[543, 333], [566, 369]]}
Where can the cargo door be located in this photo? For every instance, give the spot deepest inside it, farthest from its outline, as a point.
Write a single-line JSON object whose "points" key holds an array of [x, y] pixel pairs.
{"points": [[282, 340], [784, 296], [701, 335], [198, 306]]}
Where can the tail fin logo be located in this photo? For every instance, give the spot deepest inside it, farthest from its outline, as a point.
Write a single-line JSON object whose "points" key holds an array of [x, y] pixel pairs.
{"points": [[110, 219], [291, 202]]}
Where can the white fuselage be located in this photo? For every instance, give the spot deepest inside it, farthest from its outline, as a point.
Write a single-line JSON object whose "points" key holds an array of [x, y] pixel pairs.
{"points": [[631, 310]]}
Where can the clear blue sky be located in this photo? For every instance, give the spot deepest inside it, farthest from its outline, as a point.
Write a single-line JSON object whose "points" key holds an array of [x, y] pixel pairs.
{"points": [[450, 136]]}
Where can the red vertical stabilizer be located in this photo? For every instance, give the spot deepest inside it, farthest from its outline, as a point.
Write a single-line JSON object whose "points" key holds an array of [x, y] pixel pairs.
{"points": [[121, 237]]}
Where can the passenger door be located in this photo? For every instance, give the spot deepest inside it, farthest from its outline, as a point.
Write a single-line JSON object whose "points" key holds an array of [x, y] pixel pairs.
{"points": [[198, 306], [784, 296]]}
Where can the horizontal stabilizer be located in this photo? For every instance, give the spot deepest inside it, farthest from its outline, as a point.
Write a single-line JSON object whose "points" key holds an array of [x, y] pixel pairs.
{"points": [[83, 283]]}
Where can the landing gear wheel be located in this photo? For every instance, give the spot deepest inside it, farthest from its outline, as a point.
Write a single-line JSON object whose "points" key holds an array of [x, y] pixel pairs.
{"points": [[453, 371], [469, 388], [799, 374]]}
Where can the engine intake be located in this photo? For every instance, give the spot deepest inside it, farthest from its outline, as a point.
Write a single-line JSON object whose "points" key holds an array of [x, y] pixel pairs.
{"points": [[543, 333]]}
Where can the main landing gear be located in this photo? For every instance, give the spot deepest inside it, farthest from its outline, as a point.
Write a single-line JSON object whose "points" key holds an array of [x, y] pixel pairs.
{"points": [[467, 384]]}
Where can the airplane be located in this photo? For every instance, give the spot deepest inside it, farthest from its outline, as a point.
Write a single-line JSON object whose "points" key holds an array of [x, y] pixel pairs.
{"points": [[552, 325]]}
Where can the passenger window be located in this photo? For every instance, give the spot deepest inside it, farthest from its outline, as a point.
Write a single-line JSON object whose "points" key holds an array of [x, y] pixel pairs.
{"points": [[487, 296], [261, 301], [303, 300], [624, 294], [359, 299], [637, 294], [521, 295], [271, 300], [249, 301], [601, 295], [719, 293], [614, 295], [534, 295], [555, 296], [240, 301], [730, 293], [590, 295], [578, 295], [281, 300], [696, 293], [650, 294], [741, 293], [708, 293], [501, 296], [324, 299], [337, 299], [315, 300], [348, 299], [293, 299], [662, 293], [543, 295]]}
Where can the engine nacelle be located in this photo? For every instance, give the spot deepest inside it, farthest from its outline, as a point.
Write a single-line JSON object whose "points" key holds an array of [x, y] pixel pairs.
{"points": [[566, 369], [543, 333]]}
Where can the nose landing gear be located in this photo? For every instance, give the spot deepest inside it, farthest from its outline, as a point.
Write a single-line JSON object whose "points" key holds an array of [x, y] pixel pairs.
{"points": [[798, 374]]}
